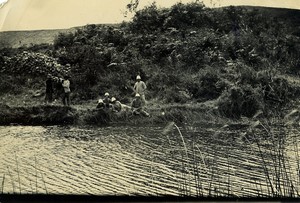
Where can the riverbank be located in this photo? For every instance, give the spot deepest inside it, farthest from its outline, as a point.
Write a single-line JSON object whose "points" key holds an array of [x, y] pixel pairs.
{"points": [[37, 115], [28, 110], [80, 114]]}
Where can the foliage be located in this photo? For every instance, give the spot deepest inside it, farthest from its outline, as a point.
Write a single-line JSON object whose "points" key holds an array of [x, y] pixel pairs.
{"points": [[148, 19], [206, 85], [11, 85], [63, 40], [262, 91], [34, 64], [240, 101], [183, 16], [187, 52]]}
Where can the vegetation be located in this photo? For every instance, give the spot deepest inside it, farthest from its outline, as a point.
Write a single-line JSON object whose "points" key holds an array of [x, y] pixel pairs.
{"points": [[239, 57], [239, 61]]}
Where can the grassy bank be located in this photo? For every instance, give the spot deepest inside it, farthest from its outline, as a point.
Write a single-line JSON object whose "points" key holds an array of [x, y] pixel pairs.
{"points": [[37, 115], [83, 114]]}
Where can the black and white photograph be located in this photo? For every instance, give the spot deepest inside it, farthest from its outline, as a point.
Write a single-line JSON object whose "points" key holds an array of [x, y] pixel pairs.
{"points": [[137, 100]]}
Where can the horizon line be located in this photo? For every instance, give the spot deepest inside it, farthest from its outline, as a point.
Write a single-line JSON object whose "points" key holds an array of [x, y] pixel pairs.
{"points": [[116, 23]]}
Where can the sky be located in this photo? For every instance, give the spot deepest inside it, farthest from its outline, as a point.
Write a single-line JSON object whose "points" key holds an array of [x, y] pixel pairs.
{"points": [[60, 14]]}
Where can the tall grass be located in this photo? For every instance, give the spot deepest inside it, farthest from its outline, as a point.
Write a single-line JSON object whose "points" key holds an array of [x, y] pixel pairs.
{"points": [[278, 177], [36, 181], [279, 172], [12, 180], [3, 180], [17, 171]]}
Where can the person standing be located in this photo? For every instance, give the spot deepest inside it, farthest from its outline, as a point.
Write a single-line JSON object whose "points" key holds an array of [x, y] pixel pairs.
{"points": [[140, 88], [49, 89], [67, 90]]}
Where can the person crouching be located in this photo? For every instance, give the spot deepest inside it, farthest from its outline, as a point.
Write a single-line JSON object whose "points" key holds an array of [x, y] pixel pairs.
{"points": [[137, 106], [116, 105]]}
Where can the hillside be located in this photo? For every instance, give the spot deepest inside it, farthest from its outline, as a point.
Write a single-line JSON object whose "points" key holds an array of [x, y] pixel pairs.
{"points": [[17, 39], [239, 59]]}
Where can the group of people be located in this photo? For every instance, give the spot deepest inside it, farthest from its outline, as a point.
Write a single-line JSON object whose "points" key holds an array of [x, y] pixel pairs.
{"points": [[137, 105], [106, 103], [65, 84]]}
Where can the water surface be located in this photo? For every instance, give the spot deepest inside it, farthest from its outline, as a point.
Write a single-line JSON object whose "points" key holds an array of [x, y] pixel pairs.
{"points": [[152, 160]]}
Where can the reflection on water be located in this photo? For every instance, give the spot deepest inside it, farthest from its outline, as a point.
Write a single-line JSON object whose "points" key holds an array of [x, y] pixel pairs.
{"points": [[134, 160]]}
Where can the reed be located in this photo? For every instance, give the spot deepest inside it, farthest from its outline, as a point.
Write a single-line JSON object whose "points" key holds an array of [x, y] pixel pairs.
{"points": [[296, 150], [19, 181], [182, 139], [12, 180], [44, 183], [185, 186], [196, 172], [31, 187], [278, 173], [209, 176], [3, 180], [19, 178], [36, 175]]}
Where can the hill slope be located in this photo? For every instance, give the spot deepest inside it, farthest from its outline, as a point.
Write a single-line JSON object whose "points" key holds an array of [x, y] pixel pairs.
{"points": [[17, 39], [237, 57]]}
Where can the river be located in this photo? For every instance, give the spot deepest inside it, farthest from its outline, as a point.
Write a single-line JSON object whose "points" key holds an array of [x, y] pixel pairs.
{"points": [[153, 160]]}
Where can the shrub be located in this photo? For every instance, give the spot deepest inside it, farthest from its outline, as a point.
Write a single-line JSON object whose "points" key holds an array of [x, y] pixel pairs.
{"points": [[63, 40], [183, 16], [147, 19], [172, 95], [240, 101], [206, 85], [11, 85], [160, 83]]}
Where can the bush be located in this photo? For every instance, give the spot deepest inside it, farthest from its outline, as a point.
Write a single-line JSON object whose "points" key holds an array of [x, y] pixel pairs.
{"points": [[64, 40], [148, 19], [172, 95], [206, 85], [11, 85], [166, 86], [240, 101], [184, 16]]}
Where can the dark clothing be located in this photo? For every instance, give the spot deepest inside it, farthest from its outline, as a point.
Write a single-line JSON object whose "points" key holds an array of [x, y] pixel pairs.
{"points": [[66, 98], [49, 97], [49, 90], [137, 107], [100, 105], [137, 103], [117, 106], [106, 102], [49, 85]]}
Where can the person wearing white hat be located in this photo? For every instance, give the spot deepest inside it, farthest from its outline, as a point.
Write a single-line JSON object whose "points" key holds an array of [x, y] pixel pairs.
{"points": [[106, 100], [116, 105], [100, 104], [140, 88]]}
